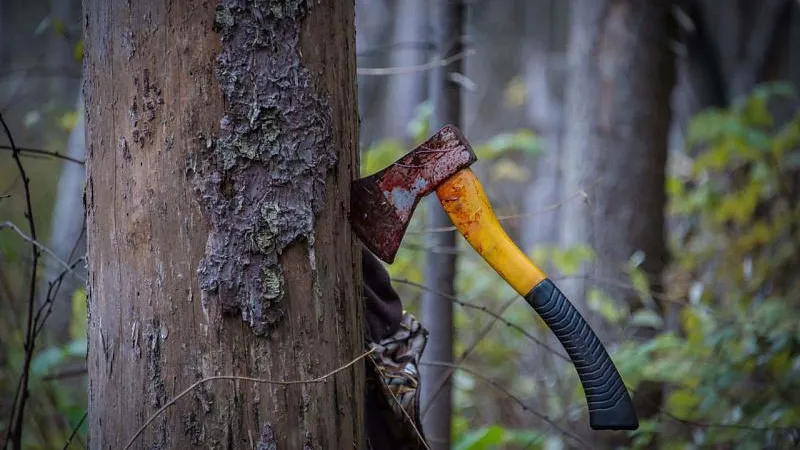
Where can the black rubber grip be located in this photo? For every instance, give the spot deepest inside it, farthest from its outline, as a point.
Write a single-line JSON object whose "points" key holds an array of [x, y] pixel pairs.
{"points": [[610, 405]]}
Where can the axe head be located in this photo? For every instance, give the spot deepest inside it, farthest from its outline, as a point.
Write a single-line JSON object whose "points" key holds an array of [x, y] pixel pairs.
{"points": [[381, 204]]}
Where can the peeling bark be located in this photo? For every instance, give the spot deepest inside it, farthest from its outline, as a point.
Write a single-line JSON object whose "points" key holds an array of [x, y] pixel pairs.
{"points": [[221, 144], [263, 178]]}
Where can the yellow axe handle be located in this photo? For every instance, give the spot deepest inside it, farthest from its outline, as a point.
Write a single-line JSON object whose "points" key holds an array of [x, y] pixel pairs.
{"points": [[463, 198], [610, 406]]}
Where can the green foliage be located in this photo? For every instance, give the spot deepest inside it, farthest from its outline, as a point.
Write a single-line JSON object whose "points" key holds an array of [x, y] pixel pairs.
{"points": [[729, 354], [735, 359], [496, 436], [522, 140]]}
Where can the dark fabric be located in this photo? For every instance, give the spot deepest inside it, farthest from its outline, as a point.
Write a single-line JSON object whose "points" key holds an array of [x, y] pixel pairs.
{"points": [[392, 369], [393, 420], [384, 310]]}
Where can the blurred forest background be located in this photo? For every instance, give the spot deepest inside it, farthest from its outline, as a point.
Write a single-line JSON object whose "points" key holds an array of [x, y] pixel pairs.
{"points": [[656, 178]]}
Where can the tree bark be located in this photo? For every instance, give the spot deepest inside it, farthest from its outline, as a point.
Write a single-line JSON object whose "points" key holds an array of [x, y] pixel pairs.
{"points": [[617, 123], [221, 144], [440, 265]]}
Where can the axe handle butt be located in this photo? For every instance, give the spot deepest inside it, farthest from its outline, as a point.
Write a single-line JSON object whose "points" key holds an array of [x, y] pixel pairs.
{"points": [[610, 406]]}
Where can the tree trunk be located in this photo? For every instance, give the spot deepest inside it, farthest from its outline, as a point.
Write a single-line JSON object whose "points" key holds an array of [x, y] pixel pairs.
{"points": [[373, 46], [440, 265], [405, 91], [617, 123], [545, 75], [64, 15], [221, 145]]}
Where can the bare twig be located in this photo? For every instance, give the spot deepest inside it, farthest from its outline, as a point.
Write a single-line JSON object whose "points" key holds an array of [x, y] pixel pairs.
{"points": [[467, 351], [486, 310], [403, 70], [75, 430], [384, 48], [582, 194], [516, 399], [14, 434], [43, 313], [32, 240], [38, 151], [54, 286], [196, 384]]}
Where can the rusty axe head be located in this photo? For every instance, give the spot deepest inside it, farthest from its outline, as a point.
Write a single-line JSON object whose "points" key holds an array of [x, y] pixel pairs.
{"points": [[381, 204]]}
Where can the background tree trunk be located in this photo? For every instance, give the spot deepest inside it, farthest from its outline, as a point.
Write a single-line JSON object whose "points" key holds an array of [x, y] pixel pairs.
{"points": [[405, 91], [545, 70], [622, 73], [373, 46], [67, 237], [440, 261], [221, 145], [65, 18]]}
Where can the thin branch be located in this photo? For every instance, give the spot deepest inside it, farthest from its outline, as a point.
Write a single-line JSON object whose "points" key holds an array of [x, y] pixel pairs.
{"points": [[516, 399], [404, 70], [725, 425], [196, 384], [467, 351], [16, 423], [486, 310], [53, 288], [75, 430], [384, 48], [502, 218], [38, 151], [32, 240]]}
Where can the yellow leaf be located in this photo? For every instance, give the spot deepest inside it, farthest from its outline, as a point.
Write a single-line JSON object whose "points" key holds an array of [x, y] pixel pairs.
{"points": [[717, 157], [682, 402], [515, 93], [569, 260], [68, 120], [77, 324], [601, 303], [693, 326], [739, 206], [77, 51], [508, 170]]}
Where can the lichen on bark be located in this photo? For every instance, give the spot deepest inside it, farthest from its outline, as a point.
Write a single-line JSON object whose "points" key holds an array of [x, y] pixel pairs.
{"points": [[262, 179]]}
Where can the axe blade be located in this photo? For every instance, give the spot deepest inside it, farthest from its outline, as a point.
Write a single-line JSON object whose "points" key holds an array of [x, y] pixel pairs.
{"points": [[381, 205]]}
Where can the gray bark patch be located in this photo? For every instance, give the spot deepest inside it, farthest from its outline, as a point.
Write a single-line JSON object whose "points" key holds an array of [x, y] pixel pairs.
{"points": [[267, 440], [154, 336], [262, 179], [141, 117]]}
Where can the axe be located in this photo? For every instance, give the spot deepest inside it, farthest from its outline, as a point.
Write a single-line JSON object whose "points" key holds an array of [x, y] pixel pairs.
{"points": [[380, 210]]}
